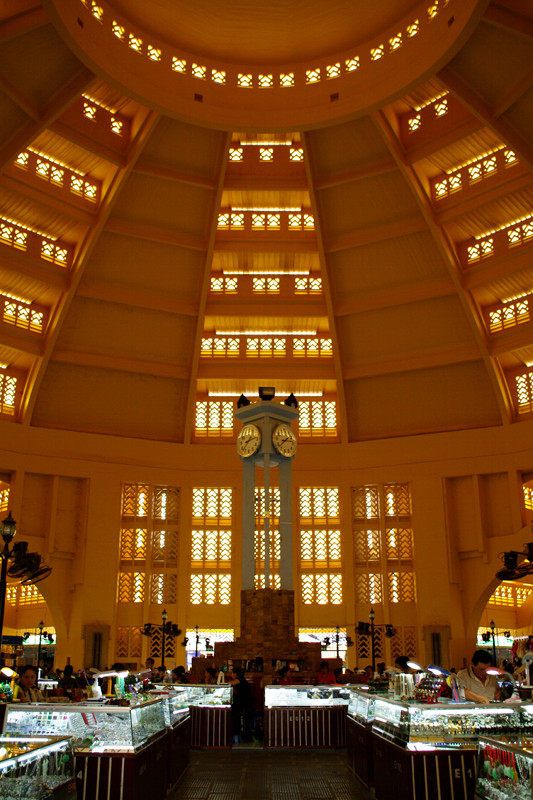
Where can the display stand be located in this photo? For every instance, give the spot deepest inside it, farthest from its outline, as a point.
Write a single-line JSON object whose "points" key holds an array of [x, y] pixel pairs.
{"points": [[210, 726], [305, 727], [439, 773], [359, 745], [124, 776]]}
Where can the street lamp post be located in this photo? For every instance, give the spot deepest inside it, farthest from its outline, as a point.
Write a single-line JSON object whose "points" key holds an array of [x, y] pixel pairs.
{"points": [[492, 626], [337, 639], [9, 527], [41, 626], [372, 616], [197, 632], [164, 617]]}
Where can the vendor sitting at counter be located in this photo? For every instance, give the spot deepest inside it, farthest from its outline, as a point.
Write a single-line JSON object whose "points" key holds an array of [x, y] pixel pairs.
{"points": [[26, 690], [478, 686], [325, 676]]}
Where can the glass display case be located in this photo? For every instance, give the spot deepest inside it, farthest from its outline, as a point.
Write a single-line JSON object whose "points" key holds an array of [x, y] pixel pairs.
{"points": [[199, 694], [36, 768], [94, 727], [361, 705], [505, 768], [305, 716], [414, 724], [311, 696]]}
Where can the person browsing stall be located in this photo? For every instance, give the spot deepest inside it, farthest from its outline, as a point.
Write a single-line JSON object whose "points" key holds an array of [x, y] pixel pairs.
{"points": [[478, 686]]}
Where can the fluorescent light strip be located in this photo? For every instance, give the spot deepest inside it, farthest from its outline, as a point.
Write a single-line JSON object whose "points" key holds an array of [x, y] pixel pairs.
{"points": [[238, 394], [504, 227], [265, 333], [270, 208], [476, 159], [4, 366], [55, 161], [430, 102], [27, 228], [265, 144], [262, 272], [16, 297]]}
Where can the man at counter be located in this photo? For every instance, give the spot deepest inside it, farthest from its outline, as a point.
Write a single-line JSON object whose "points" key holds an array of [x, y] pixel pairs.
{"points": [[478, 686]]}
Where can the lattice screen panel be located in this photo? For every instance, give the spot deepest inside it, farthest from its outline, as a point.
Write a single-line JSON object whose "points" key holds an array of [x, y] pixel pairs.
{"points": [[367, 546], [369, 588], [401, 586], [399, 544], [274, 500], [260, 581], [156, 643], [322, 589], [131, 587], [210, 589], [163, 588], [405, 643], [211, 549], [128, 642], [211, 506], [164, 548], [363, 645]]}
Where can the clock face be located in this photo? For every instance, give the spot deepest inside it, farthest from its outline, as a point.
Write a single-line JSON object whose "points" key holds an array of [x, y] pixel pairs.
{"points": [[284, 440], [248, 440]]}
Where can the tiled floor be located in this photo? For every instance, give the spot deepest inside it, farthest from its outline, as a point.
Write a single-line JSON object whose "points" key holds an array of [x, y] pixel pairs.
{"points": [[257, 774]]}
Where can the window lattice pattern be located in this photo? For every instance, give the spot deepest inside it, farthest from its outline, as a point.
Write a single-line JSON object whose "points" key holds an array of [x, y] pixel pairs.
{"points": [[317, 418], [320, 549], [148, 548], [510, 594], [401, 587], [4, 496], [214, 418], [528, 497], [383, 553], [211, 549], [524, 392], [211, 506], [510, 314], [274, 547], [260, 581], [363, 645], [367, 546], [210, 589], [369, 588], [22, 315], [58, 175], [131, 587], [128, 642], [321, 506], [8, 393], [274, 500], [322, 589], [164, 549], [404, 643], [163, 588], [24, 595], [399, 544], [156, 645], [161, 54], [211, 546], [320, 545]]}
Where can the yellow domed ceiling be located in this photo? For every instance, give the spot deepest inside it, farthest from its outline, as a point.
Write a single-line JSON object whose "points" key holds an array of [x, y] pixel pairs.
{"points": [[197, 200]]}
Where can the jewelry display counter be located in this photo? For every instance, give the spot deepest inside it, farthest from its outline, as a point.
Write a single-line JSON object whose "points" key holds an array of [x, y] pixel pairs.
{"points": [[505, 769], [36, 768], [431, 749], [210, 712], [175, 700], [305, 716], [119, 750], [359, 743]]}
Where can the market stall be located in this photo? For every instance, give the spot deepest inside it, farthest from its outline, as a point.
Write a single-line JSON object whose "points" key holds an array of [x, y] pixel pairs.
{"points": [[36, 767], [120, 750], [305, 716]]}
